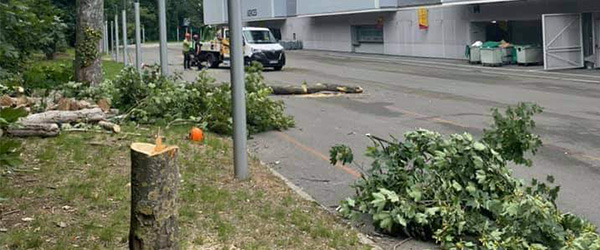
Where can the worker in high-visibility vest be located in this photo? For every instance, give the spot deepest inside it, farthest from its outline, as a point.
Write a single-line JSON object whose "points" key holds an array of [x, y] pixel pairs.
{"points": [[187, 50]]}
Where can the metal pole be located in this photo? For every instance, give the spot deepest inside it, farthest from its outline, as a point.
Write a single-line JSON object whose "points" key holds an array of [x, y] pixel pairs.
{"points": [[117, 36], [138, 37], [112, 39], [177, 33], [238, 90], [162, 24], [106, 48], [103, 39], [143, 35], [124, 21]]}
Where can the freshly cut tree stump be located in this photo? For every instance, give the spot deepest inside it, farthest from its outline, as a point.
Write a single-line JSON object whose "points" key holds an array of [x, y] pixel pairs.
{"points": [[36, 129], [154, 184], [311, 89], [56, 116]]}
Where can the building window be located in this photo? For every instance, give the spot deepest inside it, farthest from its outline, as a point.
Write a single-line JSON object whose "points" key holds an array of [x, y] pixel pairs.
{"points": [[369, 34]]}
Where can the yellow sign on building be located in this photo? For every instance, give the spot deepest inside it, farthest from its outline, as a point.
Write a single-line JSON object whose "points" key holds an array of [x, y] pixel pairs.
{"points": [[423, 15]]}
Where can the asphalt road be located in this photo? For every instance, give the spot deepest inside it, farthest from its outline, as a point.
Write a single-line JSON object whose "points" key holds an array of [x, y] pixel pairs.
{"points": [[402, 94]]}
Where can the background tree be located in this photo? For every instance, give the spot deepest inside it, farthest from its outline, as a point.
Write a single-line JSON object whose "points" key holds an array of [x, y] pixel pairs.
{"points": [[27, 27], [90, 23]]}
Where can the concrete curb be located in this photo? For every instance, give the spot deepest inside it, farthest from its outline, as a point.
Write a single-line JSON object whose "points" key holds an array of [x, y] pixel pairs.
{"points": [[362, 238]]}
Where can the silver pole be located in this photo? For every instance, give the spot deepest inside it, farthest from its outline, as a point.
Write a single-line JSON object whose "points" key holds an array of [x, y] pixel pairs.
{"points": [[143, 35], [117, 36], [162, 24], [177, 33], [106, 48], [238, 90], [124, 24], [103, 38], [112, 38], [138, 37]]}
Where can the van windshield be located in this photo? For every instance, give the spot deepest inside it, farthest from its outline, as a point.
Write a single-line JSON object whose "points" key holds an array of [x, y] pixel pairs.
{"points": [[259, 36]]}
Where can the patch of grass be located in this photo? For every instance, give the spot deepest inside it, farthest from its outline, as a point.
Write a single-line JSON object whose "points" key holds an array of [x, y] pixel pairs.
{"points": [[84, 186], [110, 68]]}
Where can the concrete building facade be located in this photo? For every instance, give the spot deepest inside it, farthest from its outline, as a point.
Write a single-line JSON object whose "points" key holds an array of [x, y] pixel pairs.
{"points": [[392, 26]]}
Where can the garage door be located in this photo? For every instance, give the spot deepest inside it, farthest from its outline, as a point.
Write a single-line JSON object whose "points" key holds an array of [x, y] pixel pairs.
{"points": [[563, 41]]}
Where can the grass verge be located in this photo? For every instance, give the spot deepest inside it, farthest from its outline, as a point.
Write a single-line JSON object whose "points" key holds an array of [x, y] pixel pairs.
{"points": [[110, 68], [73, 191]]}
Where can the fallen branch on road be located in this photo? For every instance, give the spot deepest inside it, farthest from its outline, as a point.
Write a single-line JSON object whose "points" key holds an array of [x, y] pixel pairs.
{"points": [[305, 89]]}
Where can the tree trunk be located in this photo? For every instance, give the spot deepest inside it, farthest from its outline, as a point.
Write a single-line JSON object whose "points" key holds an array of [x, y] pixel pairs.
{"points": [[56, 116], [311, 89], [154, 184], [29, 130], [90, 21]]}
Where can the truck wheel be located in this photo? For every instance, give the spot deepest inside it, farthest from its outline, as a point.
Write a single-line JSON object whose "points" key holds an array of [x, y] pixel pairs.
{"points": [[277, 68], [212, 61]]}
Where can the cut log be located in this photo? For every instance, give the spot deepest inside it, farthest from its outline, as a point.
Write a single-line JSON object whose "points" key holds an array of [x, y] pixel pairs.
{"points": [[110, 126], [65, 104], [21, 101], [154, 185], [103, 104], [311, 89], [56, 116], [7, 101], [33, 130]]}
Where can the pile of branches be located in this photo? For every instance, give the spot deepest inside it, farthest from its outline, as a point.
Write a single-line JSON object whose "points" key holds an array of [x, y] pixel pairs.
{"points": [[46, 116], [152, 98], [460, 191]]}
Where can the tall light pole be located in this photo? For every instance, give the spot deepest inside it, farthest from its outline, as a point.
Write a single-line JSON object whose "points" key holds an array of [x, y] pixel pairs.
{"points": [[124, 21], [238, 90], [162, 24], [138, 36]]}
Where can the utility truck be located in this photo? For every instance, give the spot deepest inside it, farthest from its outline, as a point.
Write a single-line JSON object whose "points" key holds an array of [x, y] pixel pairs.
{"points": [[259, 46]]}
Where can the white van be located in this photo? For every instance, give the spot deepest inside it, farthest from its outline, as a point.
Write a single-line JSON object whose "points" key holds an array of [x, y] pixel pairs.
{"points": [[259, 46]]}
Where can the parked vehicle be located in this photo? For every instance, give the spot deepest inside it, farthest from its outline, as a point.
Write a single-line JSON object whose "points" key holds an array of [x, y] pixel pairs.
{"points": [[259, 46]]}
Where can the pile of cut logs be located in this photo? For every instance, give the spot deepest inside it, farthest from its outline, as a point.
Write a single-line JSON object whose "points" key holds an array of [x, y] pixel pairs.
{"points": [[59, 113]]}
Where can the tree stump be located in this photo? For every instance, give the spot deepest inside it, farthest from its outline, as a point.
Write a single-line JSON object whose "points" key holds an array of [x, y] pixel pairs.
{"points": [[154, 184]]}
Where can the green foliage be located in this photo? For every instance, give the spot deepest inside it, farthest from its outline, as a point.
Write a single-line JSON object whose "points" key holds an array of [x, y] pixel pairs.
{"points": [[152, 98], [54, 39], [460, 191], [46, 76], [511, 134], [87, 50], [263, 113], [340, 153], [9, 149], [26, 27]]}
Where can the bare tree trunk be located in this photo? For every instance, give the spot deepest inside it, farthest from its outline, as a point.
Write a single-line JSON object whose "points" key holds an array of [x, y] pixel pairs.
{"points": [[90, 19]]}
